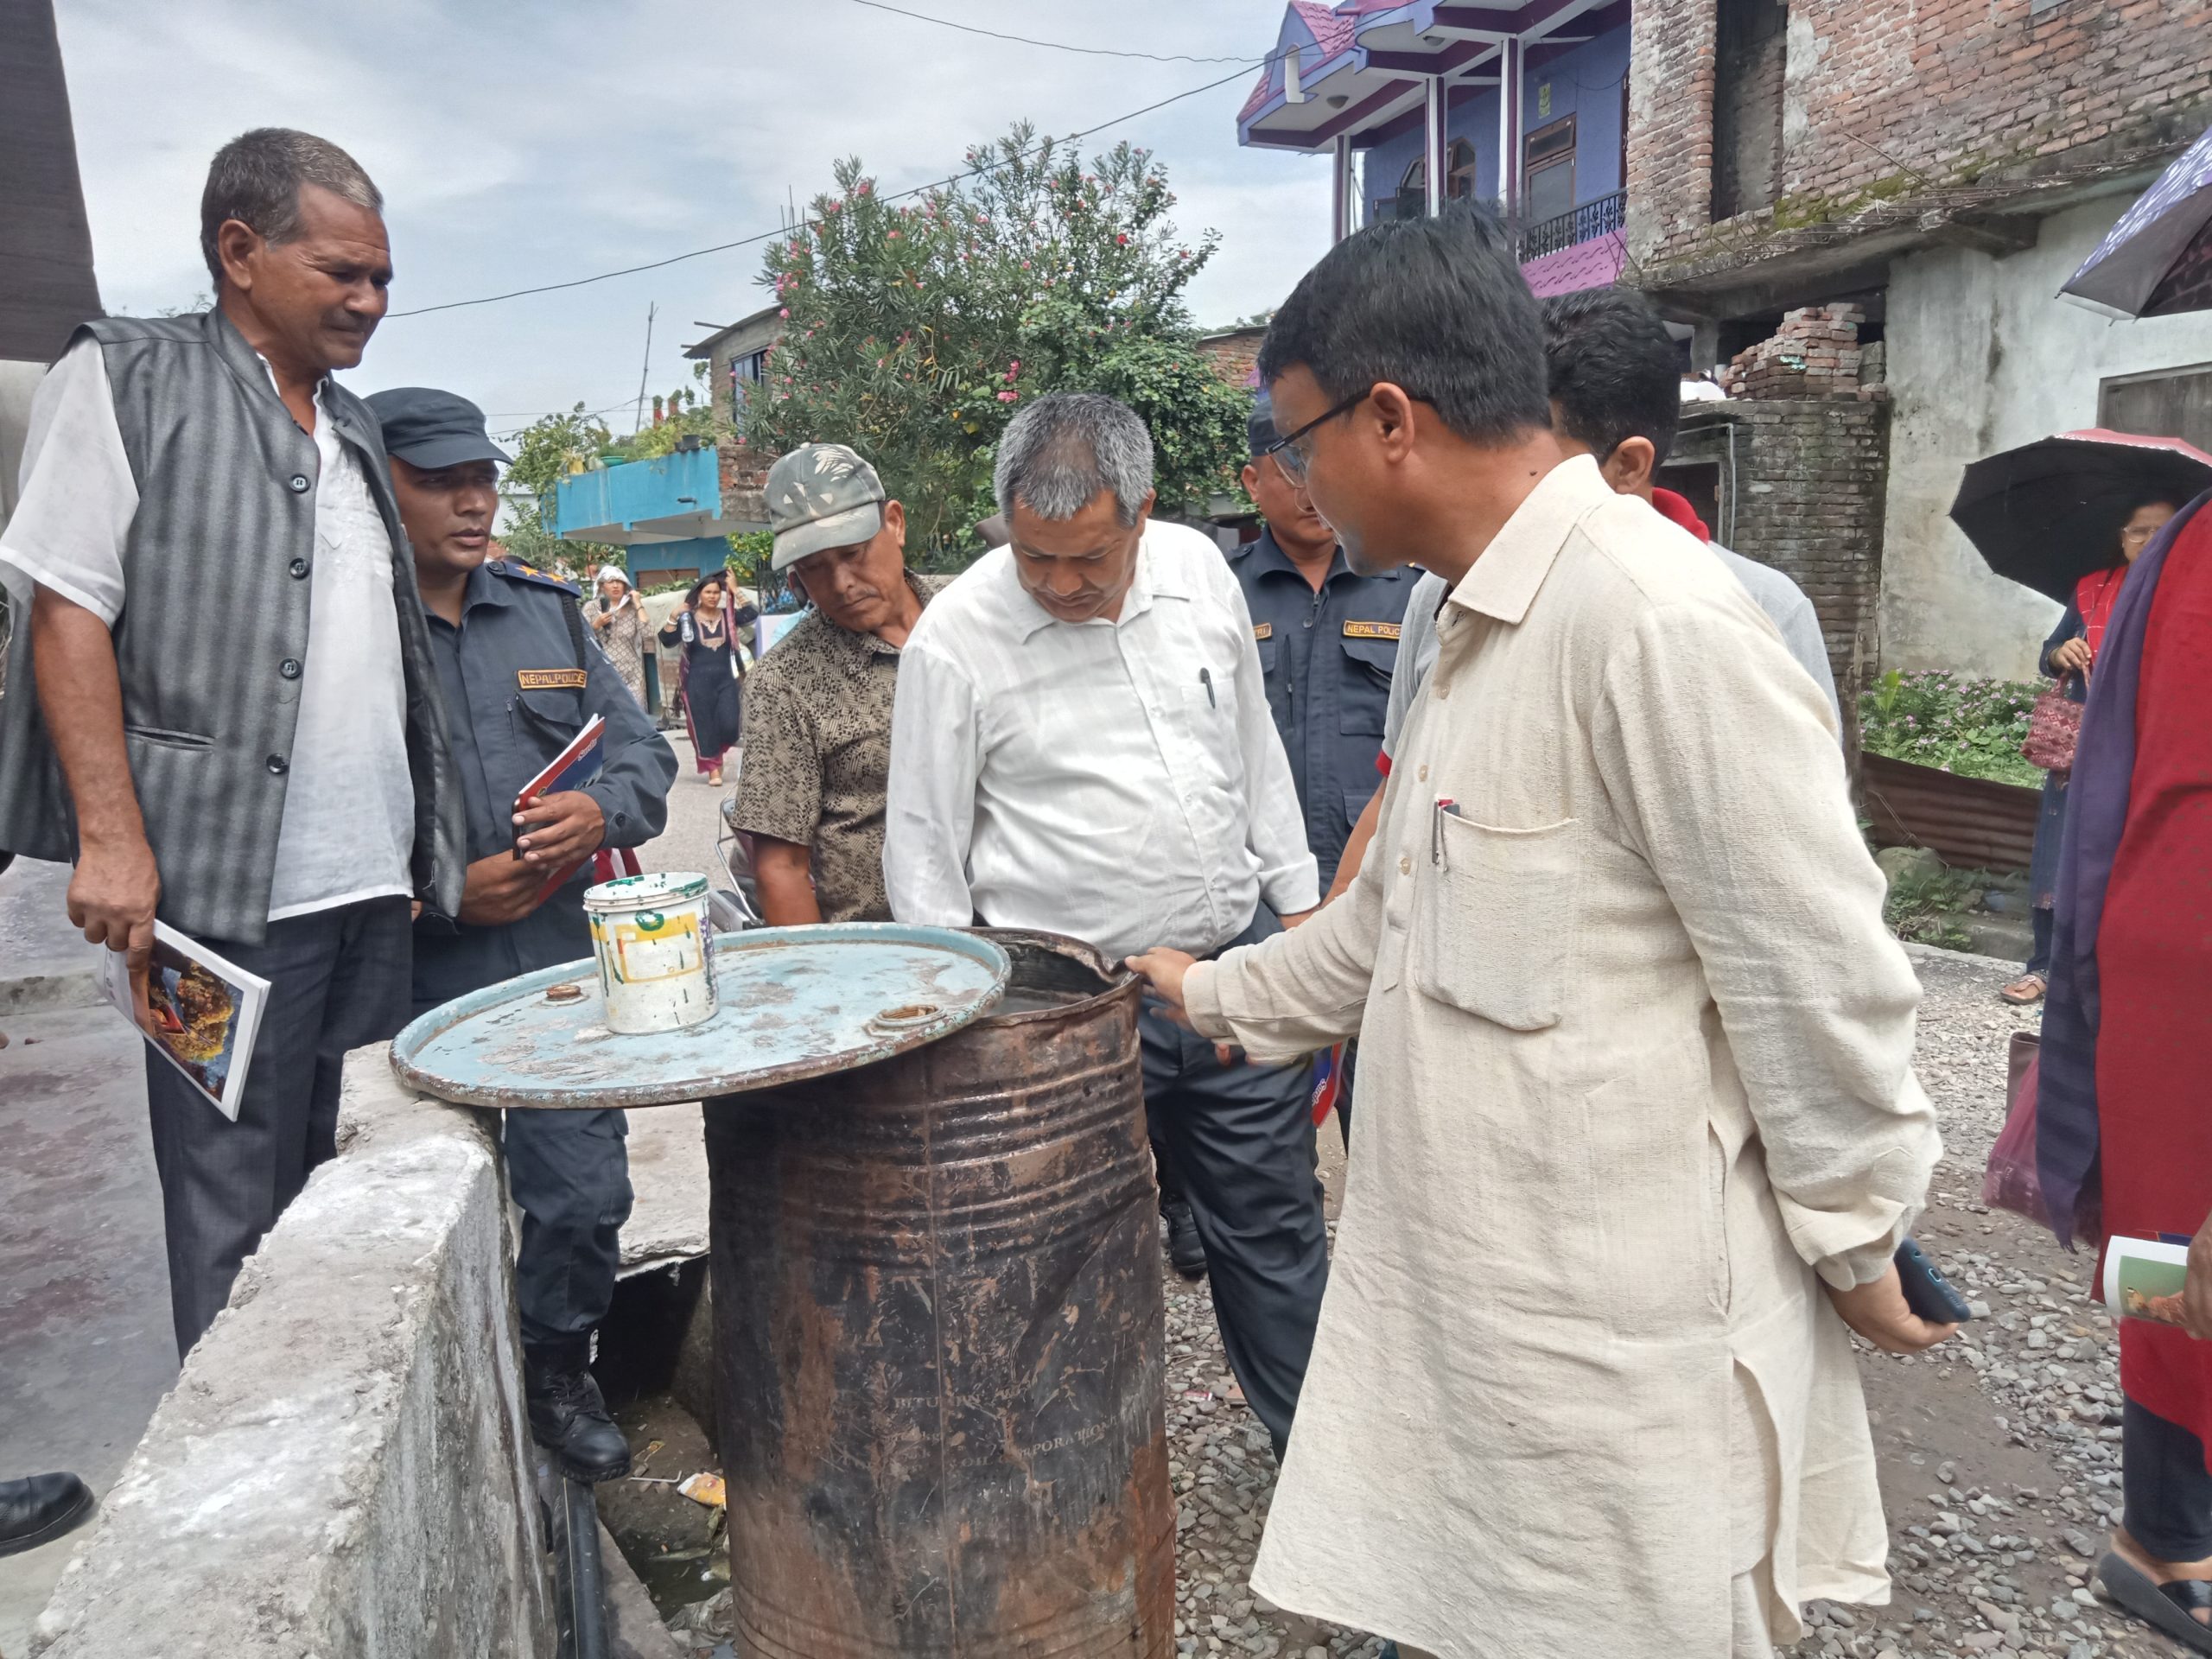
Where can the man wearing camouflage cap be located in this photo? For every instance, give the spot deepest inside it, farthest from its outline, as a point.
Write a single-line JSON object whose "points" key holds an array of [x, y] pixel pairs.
{"points": [[818, 734]]}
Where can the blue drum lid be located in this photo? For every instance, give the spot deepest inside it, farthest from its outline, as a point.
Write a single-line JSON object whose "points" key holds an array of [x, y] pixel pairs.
{"points": [[795, 1002]]}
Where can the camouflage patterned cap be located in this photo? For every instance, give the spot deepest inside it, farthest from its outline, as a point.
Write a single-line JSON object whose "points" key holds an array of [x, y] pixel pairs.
{"points": [[822, 495]]}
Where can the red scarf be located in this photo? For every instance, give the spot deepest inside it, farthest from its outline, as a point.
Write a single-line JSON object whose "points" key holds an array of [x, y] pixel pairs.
{"points": [[2094, 597]]}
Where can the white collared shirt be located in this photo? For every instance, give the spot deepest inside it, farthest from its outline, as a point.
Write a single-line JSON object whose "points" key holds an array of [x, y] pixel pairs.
{"points": [[348, 826], [1118, 781]]}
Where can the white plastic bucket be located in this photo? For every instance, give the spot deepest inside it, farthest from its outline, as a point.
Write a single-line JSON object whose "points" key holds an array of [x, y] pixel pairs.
{"points": [[653, 943]]}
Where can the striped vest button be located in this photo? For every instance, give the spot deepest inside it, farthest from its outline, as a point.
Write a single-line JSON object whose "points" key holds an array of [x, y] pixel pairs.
{"points": [[278, 765]]}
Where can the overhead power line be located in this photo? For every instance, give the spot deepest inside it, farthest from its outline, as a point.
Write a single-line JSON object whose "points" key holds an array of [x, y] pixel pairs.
{"points": [[786, 230], [1057, 45]]}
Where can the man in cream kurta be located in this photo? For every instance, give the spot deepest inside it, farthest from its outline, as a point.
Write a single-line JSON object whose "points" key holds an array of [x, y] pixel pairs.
{"points": [[1635, 1046]]}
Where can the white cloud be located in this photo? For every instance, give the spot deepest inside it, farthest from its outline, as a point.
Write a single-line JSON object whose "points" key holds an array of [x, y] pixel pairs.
{"points": [[520, 145]]}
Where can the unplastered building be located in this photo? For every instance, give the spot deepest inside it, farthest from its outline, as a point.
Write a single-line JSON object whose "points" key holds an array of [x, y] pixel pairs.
{"points": [[1864, 210]]}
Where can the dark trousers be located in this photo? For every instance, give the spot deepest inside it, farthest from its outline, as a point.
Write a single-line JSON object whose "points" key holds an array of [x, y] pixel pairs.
{"points": [[2167, 1493], [337, 979], [1240, 1140], [2040, 919], [570, 1174]]}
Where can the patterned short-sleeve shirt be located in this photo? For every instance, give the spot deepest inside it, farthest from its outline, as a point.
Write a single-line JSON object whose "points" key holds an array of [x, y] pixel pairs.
{"points": [[818, 754]]}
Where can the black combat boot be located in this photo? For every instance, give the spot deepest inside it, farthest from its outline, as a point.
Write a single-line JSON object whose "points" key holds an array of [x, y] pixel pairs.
{"points": [[567, 1415], [1184, 1249]]}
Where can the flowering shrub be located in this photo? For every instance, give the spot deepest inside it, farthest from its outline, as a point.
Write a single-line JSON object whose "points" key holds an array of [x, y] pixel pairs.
{"points": [[916, 330], [1970, 727]]}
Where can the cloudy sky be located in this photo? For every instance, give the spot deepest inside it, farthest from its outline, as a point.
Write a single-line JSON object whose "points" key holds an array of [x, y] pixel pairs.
{"points": [[535, 140]]}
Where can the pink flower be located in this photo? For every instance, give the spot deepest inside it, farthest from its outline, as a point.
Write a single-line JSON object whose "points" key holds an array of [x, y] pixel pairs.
{"points": [[891, 235], [867, 185], [1008, 397], [1123, 241], [785, 314]]}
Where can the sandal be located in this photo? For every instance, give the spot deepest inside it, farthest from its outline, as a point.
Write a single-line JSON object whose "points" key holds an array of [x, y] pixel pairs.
{"points": [[2169, 1607], [2027, 988]]}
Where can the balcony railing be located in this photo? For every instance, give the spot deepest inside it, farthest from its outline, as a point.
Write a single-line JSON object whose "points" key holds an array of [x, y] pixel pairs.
{"points": [[1571, 229], [1585, 223]]}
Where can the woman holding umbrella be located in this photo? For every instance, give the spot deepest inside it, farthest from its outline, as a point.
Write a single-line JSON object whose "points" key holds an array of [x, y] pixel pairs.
{"points": [[2067, 656]]}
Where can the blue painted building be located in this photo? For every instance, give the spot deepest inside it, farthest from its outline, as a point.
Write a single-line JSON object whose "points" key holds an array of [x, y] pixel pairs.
{"points": [[667, 513], [1521, 105]]}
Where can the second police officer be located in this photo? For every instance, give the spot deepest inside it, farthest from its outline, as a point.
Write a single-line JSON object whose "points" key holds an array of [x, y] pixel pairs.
{"points": [[1328, 641], [520, 681]]}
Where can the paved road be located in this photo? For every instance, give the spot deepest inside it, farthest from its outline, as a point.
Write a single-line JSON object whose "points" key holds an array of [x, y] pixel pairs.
{"points": [[85, 1345]]}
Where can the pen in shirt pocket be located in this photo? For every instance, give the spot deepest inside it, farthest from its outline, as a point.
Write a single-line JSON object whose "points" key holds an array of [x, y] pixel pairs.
{"points": [[1205, 678], [1444, 803]]}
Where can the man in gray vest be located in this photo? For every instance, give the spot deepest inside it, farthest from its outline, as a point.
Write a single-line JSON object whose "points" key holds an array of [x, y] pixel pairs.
{"points": [[225, 709]]}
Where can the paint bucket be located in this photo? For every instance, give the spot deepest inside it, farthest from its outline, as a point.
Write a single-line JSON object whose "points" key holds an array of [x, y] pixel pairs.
{"points": [[653, 943]]}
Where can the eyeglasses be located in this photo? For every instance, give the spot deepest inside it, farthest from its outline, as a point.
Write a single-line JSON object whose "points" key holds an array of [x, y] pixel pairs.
{"points": [[1285, 450], [2140, 532], [1292, 455]]}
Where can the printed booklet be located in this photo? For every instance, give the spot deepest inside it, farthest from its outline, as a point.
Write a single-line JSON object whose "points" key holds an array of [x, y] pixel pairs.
{"points": [[572, 769], [205, 1012], [2142, 1278]]}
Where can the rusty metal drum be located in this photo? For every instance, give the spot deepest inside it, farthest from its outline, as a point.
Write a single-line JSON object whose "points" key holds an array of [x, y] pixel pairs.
{"points": [[940, 1331]]}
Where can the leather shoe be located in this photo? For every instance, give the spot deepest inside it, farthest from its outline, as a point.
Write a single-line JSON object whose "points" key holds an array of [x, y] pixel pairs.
{"points": [[41, 1509], [568, 1418], [1184, 1249]]}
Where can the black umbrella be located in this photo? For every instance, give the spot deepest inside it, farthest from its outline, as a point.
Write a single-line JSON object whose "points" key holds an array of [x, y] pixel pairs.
{"points": [[2050, 513]]}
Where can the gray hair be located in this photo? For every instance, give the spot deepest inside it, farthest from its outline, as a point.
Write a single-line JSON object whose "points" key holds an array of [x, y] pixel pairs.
{"points": [[255, 179], [1058, 453]]}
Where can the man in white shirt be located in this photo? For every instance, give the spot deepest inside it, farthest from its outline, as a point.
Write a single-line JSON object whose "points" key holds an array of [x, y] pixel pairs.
{"points": [[224, 709], [1081, 743]]}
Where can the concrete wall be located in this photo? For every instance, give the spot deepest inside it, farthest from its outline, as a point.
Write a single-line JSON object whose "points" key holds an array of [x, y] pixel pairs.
{"points": [[343, 1469], [1983, 357]]}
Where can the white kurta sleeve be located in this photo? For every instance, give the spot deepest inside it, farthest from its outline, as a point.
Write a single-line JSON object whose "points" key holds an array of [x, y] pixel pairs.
{"points": [[78, 495], [930, 812], [1290, 877], [1714, 748], [1299, 991]]}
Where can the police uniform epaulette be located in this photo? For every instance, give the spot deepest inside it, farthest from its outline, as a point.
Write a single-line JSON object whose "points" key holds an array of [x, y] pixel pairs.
{"points": [[516, 570]]}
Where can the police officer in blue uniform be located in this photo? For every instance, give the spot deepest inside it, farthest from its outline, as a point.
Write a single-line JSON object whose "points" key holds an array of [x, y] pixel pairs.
{"points": [[1328, 641], [521, 680]]}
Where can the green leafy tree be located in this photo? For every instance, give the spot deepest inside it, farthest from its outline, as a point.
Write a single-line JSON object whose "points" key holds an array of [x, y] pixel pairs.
{"points": [[546, 451], [916, 332]]}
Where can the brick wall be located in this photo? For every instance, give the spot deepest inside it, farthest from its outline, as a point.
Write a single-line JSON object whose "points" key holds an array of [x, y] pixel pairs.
{"points": [[744, 475], [1815, 353], [1892, 104], [1811, 485], [1236, 356], [1750, 48]]}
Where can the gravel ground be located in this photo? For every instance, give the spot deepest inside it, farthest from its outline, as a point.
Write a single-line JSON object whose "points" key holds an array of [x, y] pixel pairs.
{"points": [[1998, 1451]]}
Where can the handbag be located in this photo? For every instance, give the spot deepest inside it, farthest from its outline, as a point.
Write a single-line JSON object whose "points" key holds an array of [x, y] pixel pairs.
{"points": [[2011, 1180], [2054, 729]]}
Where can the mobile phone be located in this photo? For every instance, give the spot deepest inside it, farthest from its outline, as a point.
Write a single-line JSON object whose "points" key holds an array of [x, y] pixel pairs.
{"points": [[1927, 1292]]}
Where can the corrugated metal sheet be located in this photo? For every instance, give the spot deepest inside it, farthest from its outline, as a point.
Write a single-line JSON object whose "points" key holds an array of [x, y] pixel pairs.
{"points": [[1970, 822]]}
